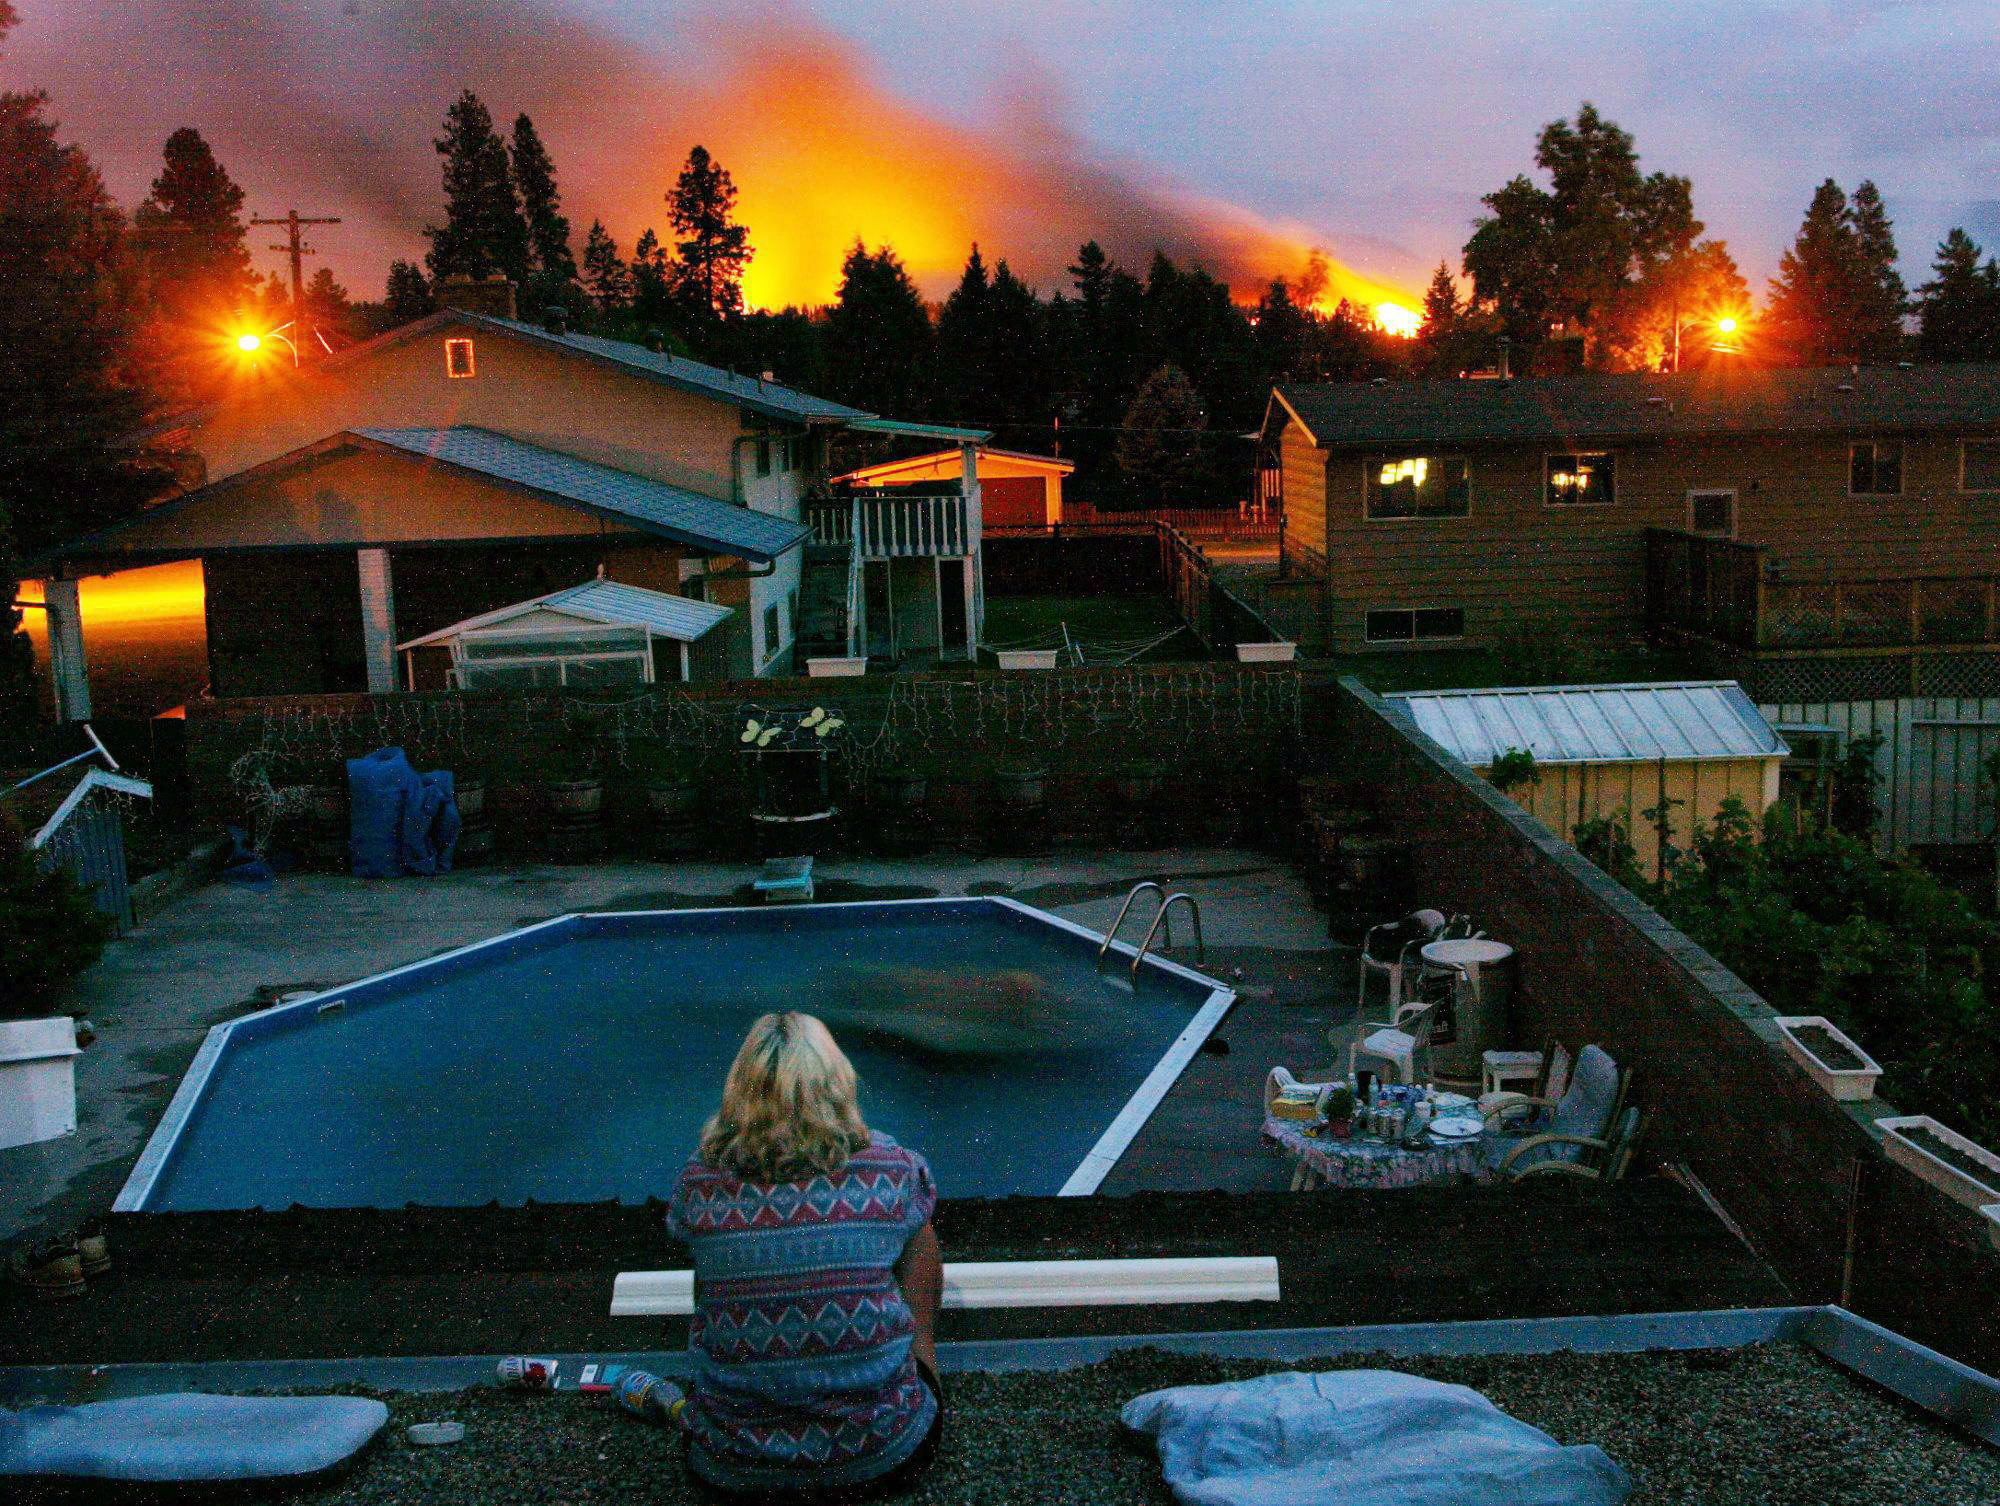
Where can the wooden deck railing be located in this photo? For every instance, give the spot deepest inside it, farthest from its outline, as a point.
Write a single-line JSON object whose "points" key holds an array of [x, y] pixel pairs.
{"points": [[1721, 591], [893, 527]]}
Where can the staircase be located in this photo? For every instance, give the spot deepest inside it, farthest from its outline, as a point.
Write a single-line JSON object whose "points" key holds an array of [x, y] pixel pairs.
{"points": [[823, 598]]}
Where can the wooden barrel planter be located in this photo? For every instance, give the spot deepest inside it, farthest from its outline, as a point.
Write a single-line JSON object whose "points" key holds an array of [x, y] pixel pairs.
{"points": [[900, 802], [470, 797], [673, 807], [1139, 791], [325, 804], [570, 798], [1368, 876], [1018, 823]]}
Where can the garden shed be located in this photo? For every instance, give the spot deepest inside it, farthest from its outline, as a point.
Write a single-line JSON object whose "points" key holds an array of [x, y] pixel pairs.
{"points": [[601, 633], [1650, 755]]}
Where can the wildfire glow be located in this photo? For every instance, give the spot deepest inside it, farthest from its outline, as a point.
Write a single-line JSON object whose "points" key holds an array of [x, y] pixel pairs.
{"points": [[152, 594], [1396, 319], [824, 155]]}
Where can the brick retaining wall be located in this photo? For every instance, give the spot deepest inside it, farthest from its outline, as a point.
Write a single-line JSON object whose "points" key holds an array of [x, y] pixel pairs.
{"points": [[1720, 1094]]}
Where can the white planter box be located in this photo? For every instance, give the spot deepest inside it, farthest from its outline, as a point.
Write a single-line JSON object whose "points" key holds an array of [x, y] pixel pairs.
{"points": [[37, 1080], [836, 669], [1026, 658], [1991, 1213], [1266, 653], [1848, 1084], [1973, 1191]]}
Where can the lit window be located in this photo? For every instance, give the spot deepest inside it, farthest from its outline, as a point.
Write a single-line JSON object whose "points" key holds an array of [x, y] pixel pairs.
{"points": [[1418, 486], [458, 359], [1979, 465], [1713, 512], [1875, 469], [1414, 624], [1583, 479]]}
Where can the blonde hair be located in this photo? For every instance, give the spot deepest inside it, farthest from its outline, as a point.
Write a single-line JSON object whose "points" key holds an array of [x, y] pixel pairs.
{"points": [[790, 1106]]}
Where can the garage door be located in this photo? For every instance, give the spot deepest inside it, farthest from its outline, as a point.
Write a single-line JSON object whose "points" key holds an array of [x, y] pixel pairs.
{"points": [[1012, 502]]}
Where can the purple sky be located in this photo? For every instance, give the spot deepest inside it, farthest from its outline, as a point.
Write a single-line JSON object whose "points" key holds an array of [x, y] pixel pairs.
{"points": [[1370, 128]]}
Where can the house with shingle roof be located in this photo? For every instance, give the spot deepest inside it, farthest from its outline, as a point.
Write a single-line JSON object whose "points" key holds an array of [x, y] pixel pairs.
{"points": [[470, 461], [1746, 507]]}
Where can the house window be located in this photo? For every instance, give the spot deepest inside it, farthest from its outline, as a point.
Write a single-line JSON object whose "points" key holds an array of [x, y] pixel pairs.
{"points": [[1712, 513], [1583, 478], [1806, 778], [1979, 465], [771, 635], [458, 360], [1415, 624], [1418, 486], [763, 457], [1875, 469]]}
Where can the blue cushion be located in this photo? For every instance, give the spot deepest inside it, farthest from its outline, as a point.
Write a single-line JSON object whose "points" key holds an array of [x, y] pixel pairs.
{"points": [[188, 1437]]}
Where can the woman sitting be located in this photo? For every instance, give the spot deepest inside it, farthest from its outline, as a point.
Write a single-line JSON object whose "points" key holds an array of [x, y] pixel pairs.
{"points": [[817, 1279]]}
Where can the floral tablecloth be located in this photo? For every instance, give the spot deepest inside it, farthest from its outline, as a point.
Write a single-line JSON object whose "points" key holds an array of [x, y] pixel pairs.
{"points": [[1364, 1163]]}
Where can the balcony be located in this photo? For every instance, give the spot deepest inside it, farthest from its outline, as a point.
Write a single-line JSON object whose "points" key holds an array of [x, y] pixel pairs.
{"points": [[894, 526], [1721, 592]]}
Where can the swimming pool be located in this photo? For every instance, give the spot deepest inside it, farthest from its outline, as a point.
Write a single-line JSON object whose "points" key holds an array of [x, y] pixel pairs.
{"points": [[576, 1060]]}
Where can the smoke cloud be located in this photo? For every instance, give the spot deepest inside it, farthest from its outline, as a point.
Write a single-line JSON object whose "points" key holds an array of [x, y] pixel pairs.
{"points": [[330, 106]]}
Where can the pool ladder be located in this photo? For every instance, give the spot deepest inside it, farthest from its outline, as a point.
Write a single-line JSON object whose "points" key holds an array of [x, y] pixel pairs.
{"points": [[1162, 918]]}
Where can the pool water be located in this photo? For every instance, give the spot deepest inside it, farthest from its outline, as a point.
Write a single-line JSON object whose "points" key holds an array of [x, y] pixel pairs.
{"points": [[577, 1061]]}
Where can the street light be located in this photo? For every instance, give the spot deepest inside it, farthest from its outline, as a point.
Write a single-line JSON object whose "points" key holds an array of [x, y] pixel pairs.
{"points": [[251, 343]]}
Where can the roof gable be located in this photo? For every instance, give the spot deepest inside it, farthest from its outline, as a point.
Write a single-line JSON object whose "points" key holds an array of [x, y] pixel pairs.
{"points": [[606, 602]]}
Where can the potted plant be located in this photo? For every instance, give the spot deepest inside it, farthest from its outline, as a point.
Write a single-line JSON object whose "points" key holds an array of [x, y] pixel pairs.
{"points": [[1830, 1055], [1140, 782], [1339, 1109], [1958, 1167], [666, 779]]}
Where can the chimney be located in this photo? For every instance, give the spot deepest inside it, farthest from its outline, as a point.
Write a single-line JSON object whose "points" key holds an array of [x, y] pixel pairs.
{"points": [[492, 294], [1506, 352]]}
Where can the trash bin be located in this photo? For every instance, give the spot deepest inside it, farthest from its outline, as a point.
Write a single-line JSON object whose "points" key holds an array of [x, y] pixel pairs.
{"points": [[1478, 976]]}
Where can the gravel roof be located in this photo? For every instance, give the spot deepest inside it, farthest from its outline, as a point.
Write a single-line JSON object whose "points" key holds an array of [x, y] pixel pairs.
{"points": [[1771, 1426], [1648, 405]]}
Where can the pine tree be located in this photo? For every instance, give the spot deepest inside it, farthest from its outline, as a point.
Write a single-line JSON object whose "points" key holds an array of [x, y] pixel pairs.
{"points": [[1283, 329], [1880, 299], [1812, 298], [878, 337], [552, 273], [652, 290], [407, 296], [191, 232], [64, 317], [1441, 335], [1958, 310], [713, 248], [326, 300], [484, 231], [1160, 449], [605, 275], [964, 344]]}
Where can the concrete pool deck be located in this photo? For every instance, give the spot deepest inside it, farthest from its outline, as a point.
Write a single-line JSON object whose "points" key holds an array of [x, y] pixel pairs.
{"points": [[226, 950]]}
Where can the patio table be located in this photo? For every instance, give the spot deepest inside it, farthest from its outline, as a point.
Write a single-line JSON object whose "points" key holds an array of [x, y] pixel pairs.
{"points": [[1360, 1162]]}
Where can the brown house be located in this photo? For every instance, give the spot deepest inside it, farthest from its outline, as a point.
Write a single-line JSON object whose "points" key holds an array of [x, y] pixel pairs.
{"points": [[1814, 511], [469, 462]]}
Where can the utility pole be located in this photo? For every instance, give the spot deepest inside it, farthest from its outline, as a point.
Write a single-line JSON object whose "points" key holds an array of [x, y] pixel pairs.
{"points": [[294, 225]]}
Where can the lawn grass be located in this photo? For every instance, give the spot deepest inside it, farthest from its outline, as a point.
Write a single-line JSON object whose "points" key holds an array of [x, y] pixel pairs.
{"points": [[1468, 669], [1100, 623]]}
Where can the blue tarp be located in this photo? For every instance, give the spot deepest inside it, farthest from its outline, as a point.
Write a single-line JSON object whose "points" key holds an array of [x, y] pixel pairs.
{"points": [[186, 1438], [401, 821], [1362, 1438]]}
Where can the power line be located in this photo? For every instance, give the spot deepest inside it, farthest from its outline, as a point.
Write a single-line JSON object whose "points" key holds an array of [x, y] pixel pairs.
{"points": [[294, 224]]}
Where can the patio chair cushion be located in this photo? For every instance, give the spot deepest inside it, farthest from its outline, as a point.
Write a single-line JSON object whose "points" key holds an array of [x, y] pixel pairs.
{"points": [[1584, 1109], [1362, 1438], [188, 1437]]}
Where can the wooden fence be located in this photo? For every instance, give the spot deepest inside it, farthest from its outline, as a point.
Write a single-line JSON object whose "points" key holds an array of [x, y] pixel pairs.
{"points": [[1214, 613], [1244, 524]]}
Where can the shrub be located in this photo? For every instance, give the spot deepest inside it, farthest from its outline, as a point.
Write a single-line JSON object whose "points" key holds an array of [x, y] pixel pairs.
{"points": [[1819, 922], [50, 931]]}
